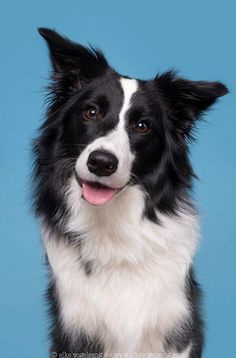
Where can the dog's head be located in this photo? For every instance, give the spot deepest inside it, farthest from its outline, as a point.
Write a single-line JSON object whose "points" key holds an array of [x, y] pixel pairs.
{"points": [[118, 131]]}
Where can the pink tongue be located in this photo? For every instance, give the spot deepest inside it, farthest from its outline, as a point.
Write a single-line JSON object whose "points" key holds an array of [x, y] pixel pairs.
{"points": [[97, 196]]}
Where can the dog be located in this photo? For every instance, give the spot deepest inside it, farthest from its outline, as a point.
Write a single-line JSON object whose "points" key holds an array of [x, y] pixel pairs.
{"points": [[112, 191]]}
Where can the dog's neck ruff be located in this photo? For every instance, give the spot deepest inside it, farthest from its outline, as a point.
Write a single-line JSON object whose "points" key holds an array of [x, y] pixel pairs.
{"points": [[135, 263]]}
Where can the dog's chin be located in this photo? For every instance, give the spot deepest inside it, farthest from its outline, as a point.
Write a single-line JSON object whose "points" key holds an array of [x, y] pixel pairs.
{"points": [[95, 193]]}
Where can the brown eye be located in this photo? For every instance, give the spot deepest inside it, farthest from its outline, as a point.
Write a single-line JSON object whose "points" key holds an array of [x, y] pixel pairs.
{"points": [[91, 114], [143, 126]]}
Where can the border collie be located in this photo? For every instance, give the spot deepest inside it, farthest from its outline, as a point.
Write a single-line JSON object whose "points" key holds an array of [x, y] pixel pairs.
{"points": [[112, 182]]}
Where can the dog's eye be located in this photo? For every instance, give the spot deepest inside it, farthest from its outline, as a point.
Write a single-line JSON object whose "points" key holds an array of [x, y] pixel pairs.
{"points": [[90, 114], [143, 126]]}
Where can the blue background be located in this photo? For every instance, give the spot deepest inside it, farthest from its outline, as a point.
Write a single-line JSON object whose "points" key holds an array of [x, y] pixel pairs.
{"points": [[140, 38]]}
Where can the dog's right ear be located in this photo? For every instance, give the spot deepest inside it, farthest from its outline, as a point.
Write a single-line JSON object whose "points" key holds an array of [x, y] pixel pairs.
{"points": [[70, 57]]}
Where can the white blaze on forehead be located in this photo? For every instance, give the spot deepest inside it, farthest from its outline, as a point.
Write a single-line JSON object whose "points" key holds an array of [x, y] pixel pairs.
{"points": [[129, 87]]}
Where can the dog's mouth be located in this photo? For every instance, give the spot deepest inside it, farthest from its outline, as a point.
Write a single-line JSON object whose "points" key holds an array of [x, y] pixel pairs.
{"points": [[95, 193]]}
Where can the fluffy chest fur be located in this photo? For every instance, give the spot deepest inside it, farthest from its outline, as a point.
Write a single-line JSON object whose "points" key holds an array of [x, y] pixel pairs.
{"points": [[135, 291]]}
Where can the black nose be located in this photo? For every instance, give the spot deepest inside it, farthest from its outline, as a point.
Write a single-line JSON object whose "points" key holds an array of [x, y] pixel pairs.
{"points": [[102, 163]]}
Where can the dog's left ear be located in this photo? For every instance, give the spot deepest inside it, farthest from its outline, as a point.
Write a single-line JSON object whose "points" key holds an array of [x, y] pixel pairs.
{"points": [[188, 100], [72, 59]]}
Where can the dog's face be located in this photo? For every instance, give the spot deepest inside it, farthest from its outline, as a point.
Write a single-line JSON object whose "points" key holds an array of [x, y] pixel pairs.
{"points": [[114, 128], [120, 131]]}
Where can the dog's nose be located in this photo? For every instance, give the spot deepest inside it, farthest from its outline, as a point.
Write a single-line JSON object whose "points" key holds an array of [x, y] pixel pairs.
{"points": [[102, 163]]}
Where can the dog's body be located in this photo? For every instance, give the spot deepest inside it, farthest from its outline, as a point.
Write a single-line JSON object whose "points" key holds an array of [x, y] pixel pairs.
{"points": [[112, 178]]}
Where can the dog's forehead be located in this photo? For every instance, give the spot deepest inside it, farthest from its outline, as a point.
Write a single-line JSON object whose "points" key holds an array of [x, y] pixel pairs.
{"points": [[123, 95], [120, 91]]}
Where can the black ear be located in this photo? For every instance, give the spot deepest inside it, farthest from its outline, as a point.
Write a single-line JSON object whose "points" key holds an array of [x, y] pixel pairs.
{"points": [[68, 56], [188, 99]]}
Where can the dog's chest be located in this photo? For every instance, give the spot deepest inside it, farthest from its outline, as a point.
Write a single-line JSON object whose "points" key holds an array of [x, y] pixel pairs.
{"points": [[135, 292], [120, 304], [127, 305]]}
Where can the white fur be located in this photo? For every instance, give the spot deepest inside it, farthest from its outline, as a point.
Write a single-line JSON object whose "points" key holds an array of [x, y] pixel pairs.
{"points": [[117, 142], [135, 293]]}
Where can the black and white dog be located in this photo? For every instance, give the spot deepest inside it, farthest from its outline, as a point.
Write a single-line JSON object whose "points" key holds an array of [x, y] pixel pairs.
{"points": [[112, 180]]}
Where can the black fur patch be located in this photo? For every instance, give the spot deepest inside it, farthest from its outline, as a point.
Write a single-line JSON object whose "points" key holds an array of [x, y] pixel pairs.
{"points": [[191, 331]]}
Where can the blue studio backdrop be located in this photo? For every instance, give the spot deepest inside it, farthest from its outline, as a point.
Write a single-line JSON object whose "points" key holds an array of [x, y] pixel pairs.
{"points": [[140, 38]]}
